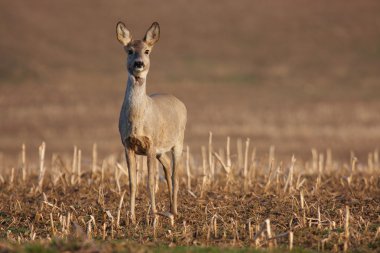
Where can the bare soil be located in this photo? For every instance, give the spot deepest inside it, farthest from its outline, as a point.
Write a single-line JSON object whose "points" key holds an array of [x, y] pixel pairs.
{"points": [[292, 74], [220, 210]]}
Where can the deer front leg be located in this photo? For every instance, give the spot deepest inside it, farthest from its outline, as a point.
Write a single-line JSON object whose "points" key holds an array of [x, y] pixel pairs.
{"points": [[177, 152], [151, 184], [164, 160], [131, 161]]}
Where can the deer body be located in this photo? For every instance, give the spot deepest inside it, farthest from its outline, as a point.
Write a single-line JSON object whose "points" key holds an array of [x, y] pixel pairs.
{"points": [[151, 122], [149, 125]]}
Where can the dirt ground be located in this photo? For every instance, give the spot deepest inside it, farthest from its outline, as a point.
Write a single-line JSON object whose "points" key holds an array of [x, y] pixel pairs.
{"points": [[293, 74], [328, 206]]}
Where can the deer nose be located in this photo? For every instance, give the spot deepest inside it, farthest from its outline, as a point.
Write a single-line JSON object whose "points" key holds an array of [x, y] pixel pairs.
{"points": [[139, 64]]}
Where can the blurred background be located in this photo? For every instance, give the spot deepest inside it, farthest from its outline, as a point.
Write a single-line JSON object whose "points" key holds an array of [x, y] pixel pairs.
{"points": [[294, 74]]}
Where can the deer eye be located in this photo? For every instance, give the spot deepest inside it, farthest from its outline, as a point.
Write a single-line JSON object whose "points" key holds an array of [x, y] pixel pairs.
{"points": [[130, 51], [146, 51]]}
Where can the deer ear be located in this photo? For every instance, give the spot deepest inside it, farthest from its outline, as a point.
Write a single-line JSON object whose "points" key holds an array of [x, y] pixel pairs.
{"points": [[153, 34], [122, 34]]}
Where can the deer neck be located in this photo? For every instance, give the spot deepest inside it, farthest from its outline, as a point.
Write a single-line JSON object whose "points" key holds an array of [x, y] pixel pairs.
{"points": [[136, 99]]}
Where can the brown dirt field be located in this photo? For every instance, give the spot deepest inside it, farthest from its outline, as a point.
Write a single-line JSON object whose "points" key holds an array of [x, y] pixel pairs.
{"points": [[293, 74], [220, 212]]}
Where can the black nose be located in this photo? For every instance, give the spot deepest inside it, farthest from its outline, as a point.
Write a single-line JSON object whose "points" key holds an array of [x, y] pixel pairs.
{"points": [[139, 64]]}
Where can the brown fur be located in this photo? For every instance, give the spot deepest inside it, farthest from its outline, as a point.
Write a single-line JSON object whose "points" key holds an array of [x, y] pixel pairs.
{"points": [[149, 125]]}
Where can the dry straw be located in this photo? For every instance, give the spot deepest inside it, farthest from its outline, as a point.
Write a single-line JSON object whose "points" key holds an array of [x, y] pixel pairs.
{"points": [[346, 229], [213, 208], [188, 173], [41, 150], [94, 158], [23, 162], [245, 172]]}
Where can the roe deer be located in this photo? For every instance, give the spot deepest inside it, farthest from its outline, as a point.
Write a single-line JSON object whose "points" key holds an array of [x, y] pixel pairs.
{"points": [[149, 125]]}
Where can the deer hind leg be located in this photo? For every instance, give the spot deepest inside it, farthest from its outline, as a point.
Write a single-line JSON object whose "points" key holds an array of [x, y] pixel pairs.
{"points": [[152, 166], [165, 161], [177, 153], [131, 161]]}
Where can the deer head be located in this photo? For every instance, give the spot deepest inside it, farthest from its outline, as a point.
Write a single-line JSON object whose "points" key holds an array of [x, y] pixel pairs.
{"points": [[138, 51]]}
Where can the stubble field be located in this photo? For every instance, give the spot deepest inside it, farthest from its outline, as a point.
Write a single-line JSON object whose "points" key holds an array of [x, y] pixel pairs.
{"points": [[226, 200]]}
